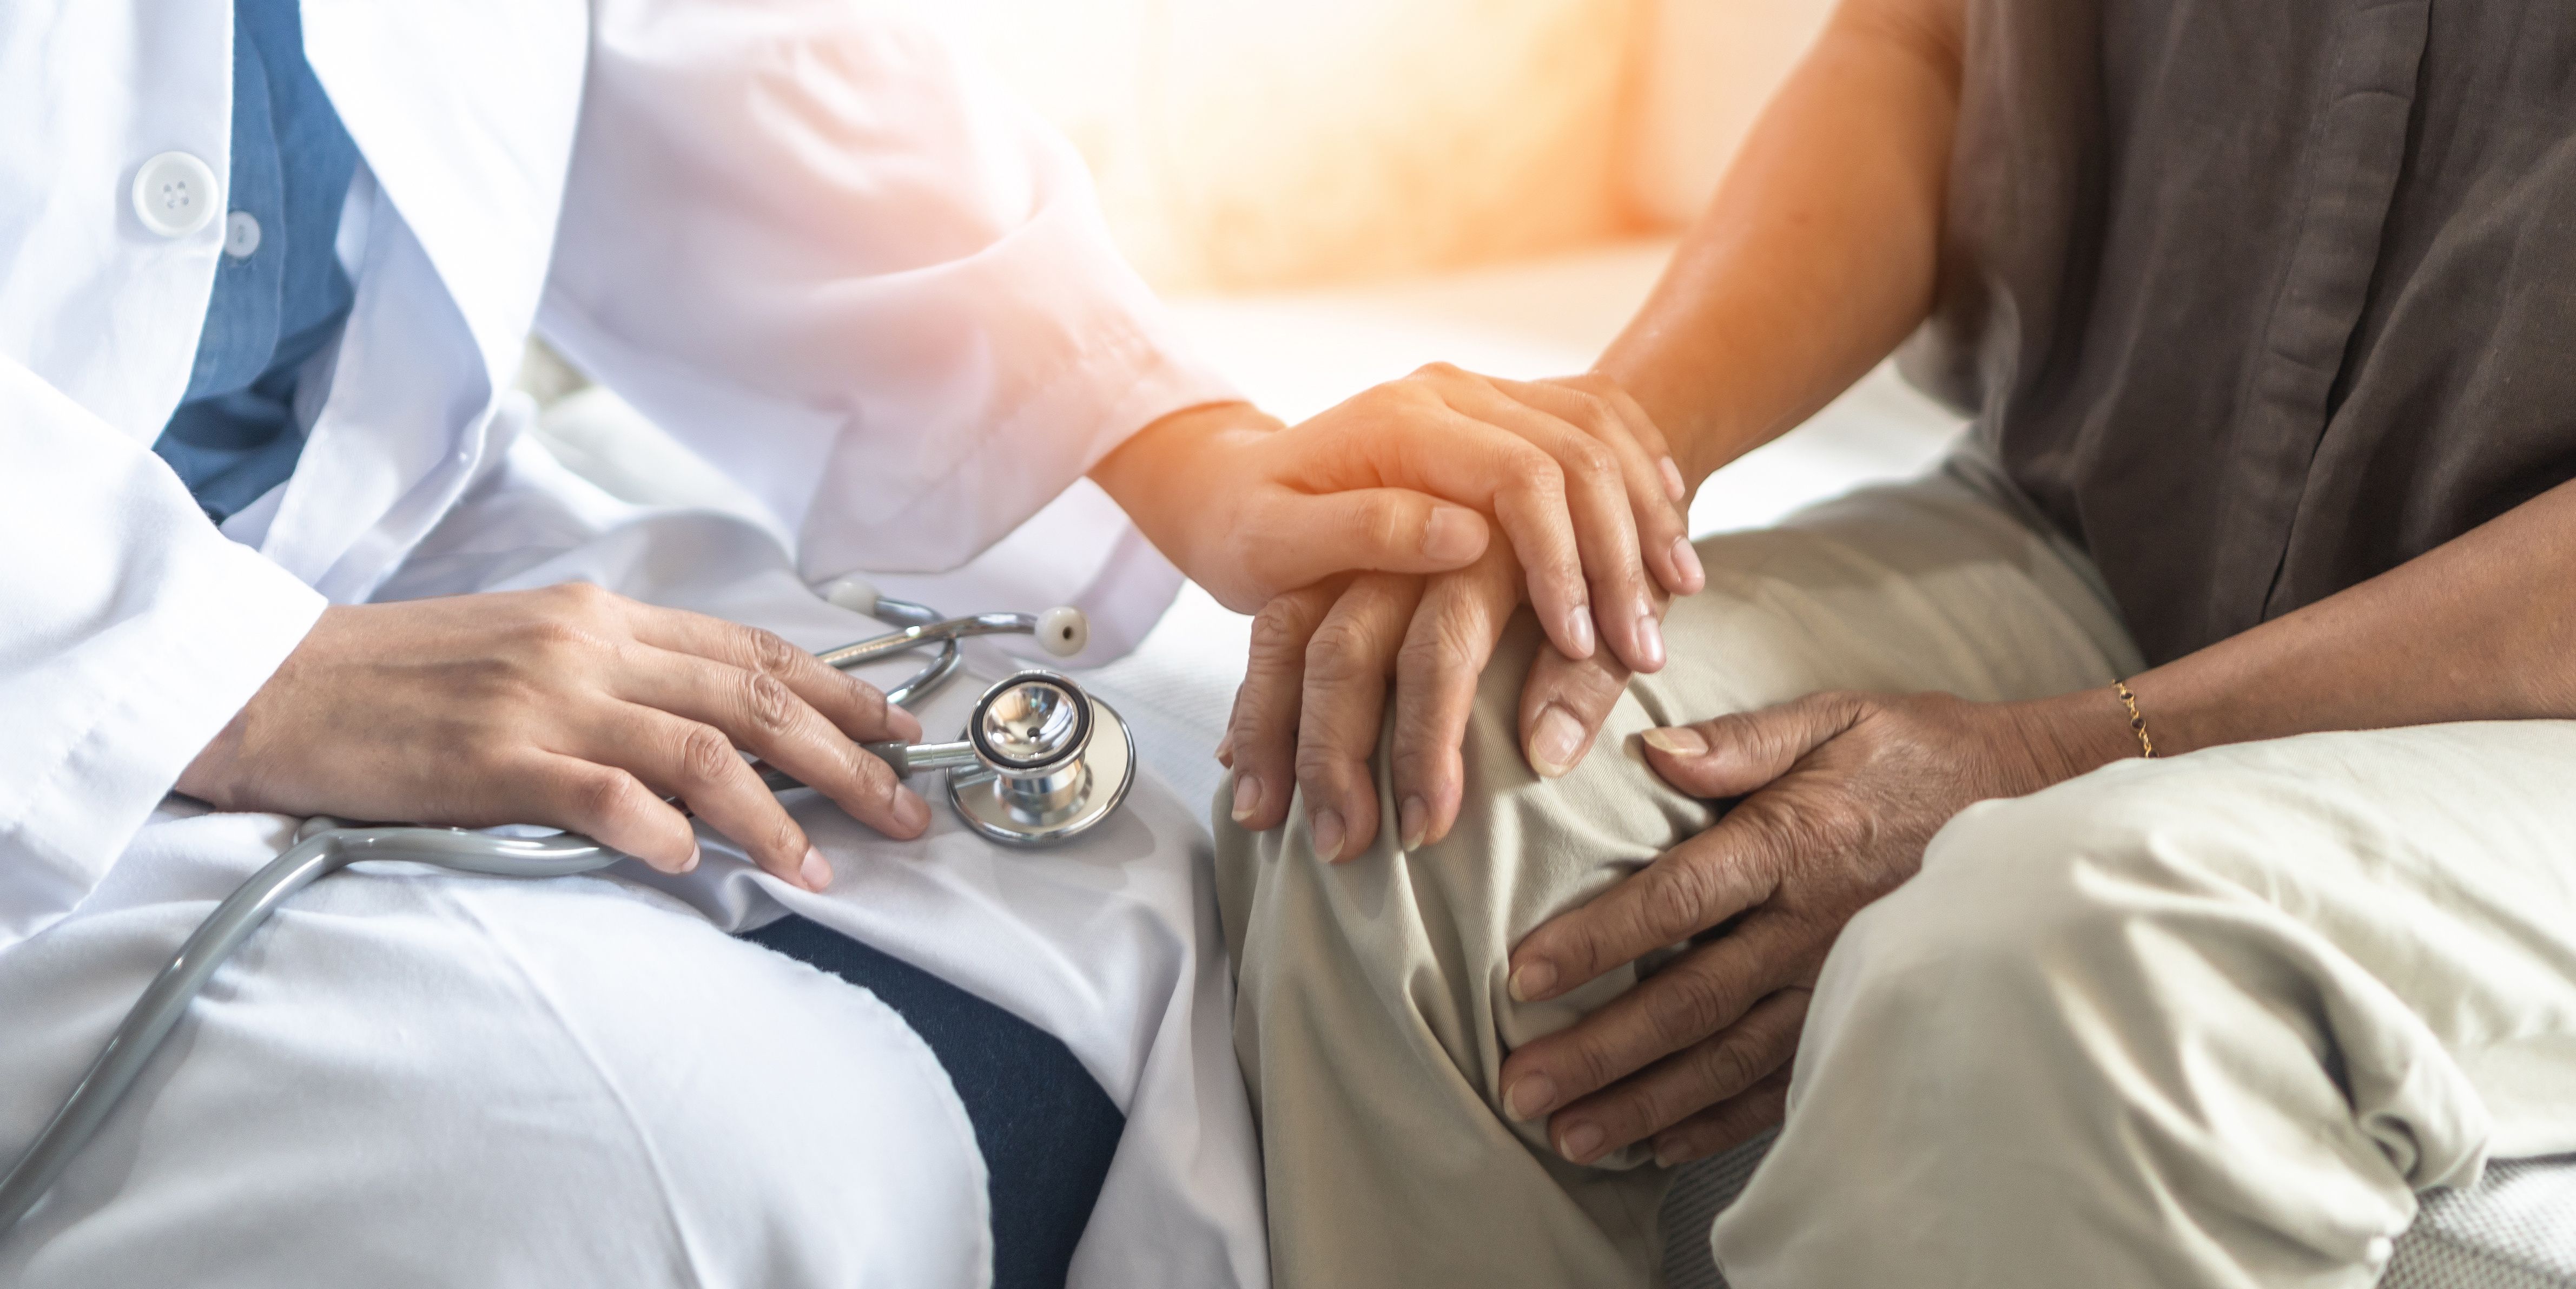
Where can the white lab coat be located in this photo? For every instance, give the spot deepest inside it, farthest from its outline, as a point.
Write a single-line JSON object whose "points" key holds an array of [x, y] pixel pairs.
{"points": [[813, 243]]}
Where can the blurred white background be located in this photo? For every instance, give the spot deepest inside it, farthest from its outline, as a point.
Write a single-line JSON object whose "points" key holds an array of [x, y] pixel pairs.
{"points": [[1248, 143]]}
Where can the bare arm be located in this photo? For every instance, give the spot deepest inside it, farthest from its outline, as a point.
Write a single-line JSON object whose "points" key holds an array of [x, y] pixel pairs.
{"points": [[2482, 627], [1816, 256]]}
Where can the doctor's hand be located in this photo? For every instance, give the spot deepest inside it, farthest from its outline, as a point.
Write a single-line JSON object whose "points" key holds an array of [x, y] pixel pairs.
{"points": [[1840, 793], [1402, 478], [1314, 697], [569, 707]]}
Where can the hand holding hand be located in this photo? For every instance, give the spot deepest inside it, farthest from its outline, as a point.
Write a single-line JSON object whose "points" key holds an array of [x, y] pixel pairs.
{"points": [[1401, 478], [1314, 694], [1841, 792], [1315, 687], [569, 707]]}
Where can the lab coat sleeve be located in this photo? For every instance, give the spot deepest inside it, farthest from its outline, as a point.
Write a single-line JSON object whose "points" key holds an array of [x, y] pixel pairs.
{"points": [[130, 632], [821, 246]]}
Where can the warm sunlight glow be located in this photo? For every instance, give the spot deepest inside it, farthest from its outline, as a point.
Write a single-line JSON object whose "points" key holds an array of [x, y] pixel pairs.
{"points": [[1247, 143]]}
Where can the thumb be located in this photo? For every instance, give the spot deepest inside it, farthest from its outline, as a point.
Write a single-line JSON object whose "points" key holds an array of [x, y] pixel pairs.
{"points": [[1306, 538], [1733, 755]]}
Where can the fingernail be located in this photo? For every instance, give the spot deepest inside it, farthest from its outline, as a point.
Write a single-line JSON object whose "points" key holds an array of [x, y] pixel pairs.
{"points": [[1668, 1153], [1531, 1097], [1650, 641], [1453, 536], [816, 871], [696, 853], [1414, 820], [911, 813], [1553, 740], [1247, 797], [1679, 740], [1582, 1142], [1686, 560], [1225, 750], [1578, 629], [1532, 979], [1327, 825], [1673, 485]]}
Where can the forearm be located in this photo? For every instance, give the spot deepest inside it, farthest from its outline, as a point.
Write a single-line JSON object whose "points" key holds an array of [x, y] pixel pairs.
{"points": [[2480, 628], [1157, 471], [1817, 254]]}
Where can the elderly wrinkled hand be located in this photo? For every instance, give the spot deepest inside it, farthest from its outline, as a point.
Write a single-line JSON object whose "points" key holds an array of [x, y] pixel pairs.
{"points": [[1315, 688], [1840, 794]]}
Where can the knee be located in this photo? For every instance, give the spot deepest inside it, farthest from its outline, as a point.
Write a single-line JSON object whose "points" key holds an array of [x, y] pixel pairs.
{"points": [[1271, 882], [1520, 849]]}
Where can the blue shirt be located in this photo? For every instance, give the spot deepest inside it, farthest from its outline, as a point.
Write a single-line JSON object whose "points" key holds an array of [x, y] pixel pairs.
{"points": [[234, 435]]}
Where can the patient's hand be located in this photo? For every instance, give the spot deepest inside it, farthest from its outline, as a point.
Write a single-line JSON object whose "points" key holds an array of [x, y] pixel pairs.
{"points": [[1841, 792], [1315, 690], [569, 707], [1577, 476]]}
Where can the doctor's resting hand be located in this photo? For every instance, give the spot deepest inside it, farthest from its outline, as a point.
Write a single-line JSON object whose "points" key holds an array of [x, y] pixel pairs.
{"points": [[1403, 478], [570, 707]]}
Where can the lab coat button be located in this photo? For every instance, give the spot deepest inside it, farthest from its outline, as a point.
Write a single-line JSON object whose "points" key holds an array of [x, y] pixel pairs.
{"points": [[241, 234], [175, 194]]}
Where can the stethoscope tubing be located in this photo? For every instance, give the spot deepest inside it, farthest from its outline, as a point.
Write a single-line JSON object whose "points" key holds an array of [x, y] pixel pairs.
{"points": [[325, 847], [915, 637]]}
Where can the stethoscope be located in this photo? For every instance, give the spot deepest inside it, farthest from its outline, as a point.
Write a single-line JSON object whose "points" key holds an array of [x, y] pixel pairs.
{"points": [[1040, 762]]}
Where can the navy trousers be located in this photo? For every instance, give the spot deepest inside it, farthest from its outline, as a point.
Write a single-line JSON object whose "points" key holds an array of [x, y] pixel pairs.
{"points": [[1046, 1129]]}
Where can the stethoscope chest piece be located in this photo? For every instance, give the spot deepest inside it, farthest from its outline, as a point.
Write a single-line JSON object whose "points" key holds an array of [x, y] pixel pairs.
{"points": [[1053, 761]]}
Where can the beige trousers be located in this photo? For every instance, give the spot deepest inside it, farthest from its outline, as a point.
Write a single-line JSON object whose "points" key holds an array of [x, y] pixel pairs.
{"points": [[2210, 1020]]}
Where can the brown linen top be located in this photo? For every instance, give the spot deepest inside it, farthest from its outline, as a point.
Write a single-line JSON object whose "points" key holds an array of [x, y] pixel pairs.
{"points": [[2257, 299]]}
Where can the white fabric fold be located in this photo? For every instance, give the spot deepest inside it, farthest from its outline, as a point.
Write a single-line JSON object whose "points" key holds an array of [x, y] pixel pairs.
{"points": [[863, 255]]}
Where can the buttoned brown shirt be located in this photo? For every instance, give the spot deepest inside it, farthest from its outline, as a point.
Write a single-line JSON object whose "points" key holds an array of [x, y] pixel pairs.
{"points": [[2257, 299]]}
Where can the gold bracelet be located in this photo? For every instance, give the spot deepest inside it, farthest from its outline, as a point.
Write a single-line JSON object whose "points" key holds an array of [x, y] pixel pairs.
{"points": [[2137, 723]]}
